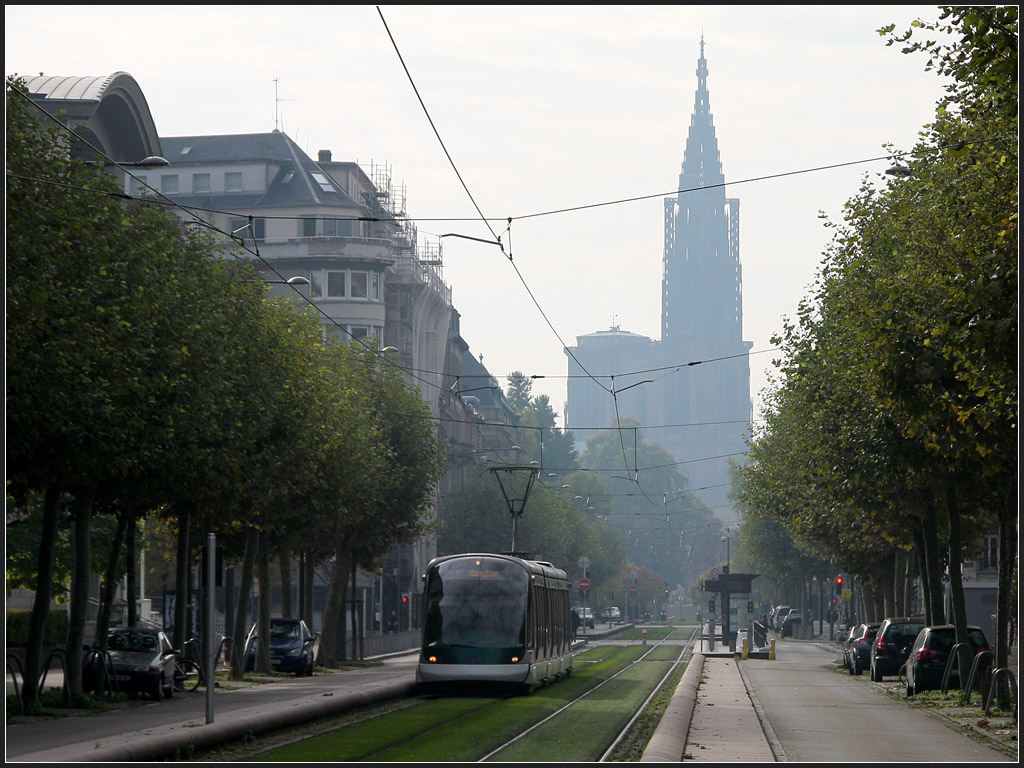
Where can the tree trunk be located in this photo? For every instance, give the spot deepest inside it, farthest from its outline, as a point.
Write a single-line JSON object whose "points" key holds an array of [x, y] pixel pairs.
{"points": [[333, 634], [1005, 613], [240, 630], [308, 572], [110, 579], [43, 594], [355, 616], [263, 609], [285, 561], [956, 583], [181, 580], [930, 532], [81, 569], [131, 557]]}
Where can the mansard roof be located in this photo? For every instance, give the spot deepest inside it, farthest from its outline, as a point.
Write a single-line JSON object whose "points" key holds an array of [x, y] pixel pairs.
{"points": [[298, 181]]}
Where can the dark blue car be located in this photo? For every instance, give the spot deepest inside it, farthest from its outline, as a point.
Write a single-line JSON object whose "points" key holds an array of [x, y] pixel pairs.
{"points": [[293, 647]]}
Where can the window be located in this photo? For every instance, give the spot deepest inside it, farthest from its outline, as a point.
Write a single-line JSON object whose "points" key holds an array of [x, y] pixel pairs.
{"points": [[359, 331], [307, 227], [239, 228], [316, 284], [358, 285], [136, 183], [200, 182], [375, 286], [336, 285], [169, 184], [337, 227], [323, 181], [233, 181]]}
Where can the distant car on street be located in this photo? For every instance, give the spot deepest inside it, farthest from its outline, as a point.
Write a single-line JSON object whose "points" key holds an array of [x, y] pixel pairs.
{"points": [[292, 647], [792, 620], [858, 650], [586, 616], [612, 614], [892, 644]]}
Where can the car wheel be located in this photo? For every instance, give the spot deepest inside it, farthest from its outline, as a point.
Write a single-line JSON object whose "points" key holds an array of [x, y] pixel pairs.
{"points": [[169, 688], [857, 668], [851, 666], [157, 690], [875, 676], [311, 668]]}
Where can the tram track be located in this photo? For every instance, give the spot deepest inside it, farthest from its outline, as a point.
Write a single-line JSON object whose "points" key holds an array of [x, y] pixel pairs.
{"points": [[612, 688]]}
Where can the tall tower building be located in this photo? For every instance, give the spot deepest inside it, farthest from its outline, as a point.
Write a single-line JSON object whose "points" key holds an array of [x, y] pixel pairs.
{"points": [[702, 314], [701, 402]]}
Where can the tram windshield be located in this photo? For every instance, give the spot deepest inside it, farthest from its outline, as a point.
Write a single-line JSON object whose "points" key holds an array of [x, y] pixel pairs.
{"points": [[476, 602]]}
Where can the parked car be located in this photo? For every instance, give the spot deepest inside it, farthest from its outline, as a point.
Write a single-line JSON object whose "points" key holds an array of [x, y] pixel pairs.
{"points": [[844, 639], [929, 654], [142, 661], [293, 647], [793, 619], [858, 650], [586, 616], [892, 644], [612, 613], [777, 615]]}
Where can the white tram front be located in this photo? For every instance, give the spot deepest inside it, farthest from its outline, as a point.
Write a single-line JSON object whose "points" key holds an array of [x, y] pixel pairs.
{"points": [[495, 618]]}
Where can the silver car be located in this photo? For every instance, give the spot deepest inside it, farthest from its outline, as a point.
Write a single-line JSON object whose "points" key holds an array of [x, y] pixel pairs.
{"points": [[143, 661]]}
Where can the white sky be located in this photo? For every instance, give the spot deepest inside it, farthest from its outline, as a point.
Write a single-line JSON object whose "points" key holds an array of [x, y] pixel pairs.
{"points": [[541, 109]]}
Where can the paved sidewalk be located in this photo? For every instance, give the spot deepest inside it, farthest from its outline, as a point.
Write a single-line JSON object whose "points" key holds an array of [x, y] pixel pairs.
{"points": [[725, 727]]}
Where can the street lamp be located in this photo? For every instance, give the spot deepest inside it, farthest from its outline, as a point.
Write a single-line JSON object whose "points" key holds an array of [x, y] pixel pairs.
{"points": [[726, 539]]}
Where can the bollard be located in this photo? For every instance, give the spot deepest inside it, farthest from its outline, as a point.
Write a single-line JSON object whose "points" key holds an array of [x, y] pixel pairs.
{"points": [[643, 635], [745, 648], [771, 653]]}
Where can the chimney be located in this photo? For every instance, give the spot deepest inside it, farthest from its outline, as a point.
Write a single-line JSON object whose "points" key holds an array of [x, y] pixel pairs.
{"points": [[324, 156]]}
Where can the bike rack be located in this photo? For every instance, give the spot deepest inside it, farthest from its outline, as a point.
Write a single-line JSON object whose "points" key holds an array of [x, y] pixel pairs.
{"points": [[14, 678], [1007, 672], [109, 685], [948, 671], [61, 655], [981, 656]]}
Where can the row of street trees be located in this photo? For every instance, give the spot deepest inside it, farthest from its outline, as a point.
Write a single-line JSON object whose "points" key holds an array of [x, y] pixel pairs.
{"points": [[147, 375], [891, 435]]}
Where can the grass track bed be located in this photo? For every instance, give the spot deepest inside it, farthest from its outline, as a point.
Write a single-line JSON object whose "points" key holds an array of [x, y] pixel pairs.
{"points": [[462, 729]]}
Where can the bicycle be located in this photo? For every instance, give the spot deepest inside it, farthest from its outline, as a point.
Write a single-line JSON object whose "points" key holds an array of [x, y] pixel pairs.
{"points": [[188, 674]]}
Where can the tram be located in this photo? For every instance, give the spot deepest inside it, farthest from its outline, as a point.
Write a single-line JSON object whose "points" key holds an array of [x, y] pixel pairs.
{"points": [[492, 618]]}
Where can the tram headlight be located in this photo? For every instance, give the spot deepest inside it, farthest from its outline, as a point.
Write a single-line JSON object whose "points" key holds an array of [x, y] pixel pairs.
{"points": [[432, 659], [515, 659]]}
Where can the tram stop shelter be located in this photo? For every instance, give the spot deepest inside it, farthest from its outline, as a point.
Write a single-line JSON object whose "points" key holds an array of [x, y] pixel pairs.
{"points": [[733, 593]]}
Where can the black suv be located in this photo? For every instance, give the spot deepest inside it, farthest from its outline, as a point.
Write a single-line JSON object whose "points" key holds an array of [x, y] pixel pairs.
{"points": [[892, 645], [926, 662]]}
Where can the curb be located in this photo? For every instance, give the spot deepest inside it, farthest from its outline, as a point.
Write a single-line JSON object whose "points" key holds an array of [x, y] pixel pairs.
{"points": [[668, 742], [194, 735]]}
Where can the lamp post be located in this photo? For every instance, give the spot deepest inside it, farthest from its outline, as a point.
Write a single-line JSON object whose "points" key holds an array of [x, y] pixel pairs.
{"points": [[726, 538]]}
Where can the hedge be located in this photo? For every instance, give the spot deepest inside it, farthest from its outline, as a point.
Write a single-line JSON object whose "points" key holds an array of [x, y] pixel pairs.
{"points": [[55, 631]]}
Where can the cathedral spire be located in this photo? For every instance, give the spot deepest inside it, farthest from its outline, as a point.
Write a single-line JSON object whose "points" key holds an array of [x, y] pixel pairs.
{"points": [[702, 166]]}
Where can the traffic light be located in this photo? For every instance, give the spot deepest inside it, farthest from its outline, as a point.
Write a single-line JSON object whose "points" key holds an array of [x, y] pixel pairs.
{"points": [[839, 583], [711, 606], [405, 598]]}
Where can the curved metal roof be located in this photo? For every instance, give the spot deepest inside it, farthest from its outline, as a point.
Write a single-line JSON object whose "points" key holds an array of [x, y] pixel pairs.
{"points": [[72, 87]]}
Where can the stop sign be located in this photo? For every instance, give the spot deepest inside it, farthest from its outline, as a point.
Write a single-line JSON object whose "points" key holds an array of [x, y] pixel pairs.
{"points": [[584, 583]]}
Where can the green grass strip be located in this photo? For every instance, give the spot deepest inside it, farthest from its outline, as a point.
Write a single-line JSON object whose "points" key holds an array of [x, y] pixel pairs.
{"points": [[359, 741]]}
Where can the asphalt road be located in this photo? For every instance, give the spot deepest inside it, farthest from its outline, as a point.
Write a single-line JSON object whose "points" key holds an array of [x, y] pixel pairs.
{"points": [[820, 715]]}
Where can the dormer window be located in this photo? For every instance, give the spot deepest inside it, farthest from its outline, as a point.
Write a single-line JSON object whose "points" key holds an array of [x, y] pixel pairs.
{"points": [[323, 181]]}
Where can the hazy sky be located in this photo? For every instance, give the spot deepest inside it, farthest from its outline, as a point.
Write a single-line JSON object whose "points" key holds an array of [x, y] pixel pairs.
{"points": [[541, 109]]}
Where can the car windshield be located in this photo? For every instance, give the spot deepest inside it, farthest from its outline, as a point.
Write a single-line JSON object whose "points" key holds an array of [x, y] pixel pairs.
{"points": [[133, 641], [284, 631]]}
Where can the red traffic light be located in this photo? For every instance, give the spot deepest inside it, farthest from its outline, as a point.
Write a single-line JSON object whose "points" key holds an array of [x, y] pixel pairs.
{"points": [[839, 581]]}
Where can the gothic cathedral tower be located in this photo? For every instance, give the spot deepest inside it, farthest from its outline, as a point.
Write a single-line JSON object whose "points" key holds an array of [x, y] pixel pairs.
{"points": [[702, 315]]}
